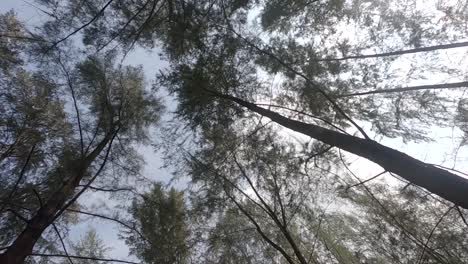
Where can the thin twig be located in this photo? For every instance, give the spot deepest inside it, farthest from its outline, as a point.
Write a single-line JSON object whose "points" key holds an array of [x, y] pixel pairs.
{"points": [[410, 88], [400, 52], [432, 232], [368, 180], [82, 26], [462, 216], [63, 244], [81, 257], [111, 219], [75, 103], [22, 172]]}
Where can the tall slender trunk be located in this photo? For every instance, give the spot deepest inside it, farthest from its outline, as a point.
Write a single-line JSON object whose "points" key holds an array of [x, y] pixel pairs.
{"points": [[438, 181], [24, 243], [401, 52]]}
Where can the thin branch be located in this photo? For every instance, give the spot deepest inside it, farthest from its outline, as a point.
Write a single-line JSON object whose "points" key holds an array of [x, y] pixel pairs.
{"points": [[401, 52], [432, 232], [260, 231], [81, 257], [18, 215], [91, 141], [115, 190], [319, 226], [313, 156], [39, 199], [111, 219], [22, 172], [226, 180], [63, 244], [75, 103], [462, 216], [142, 27], [11, 147], [273, 215], [411, 88], [368, 180], [124, 26], [82, 26], [278, 195], [266, 206]]}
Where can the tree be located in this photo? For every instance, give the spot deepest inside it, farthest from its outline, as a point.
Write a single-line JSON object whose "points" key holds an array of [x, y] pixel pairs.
{"points": [[90, 245], [114, 103], [224, 51], [329, 71], [162, 218]]}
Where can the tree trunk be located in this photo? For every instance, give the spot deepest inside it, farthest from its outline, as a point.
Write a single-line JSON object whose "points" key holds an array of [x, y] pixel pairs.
{"points": [[24, 243], [438, 181]]}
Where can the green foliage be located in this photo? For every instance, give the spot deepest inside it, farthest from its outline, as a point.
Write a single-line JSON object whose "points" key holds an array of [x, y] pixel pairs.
{"points": [[89, 245], [162, 219], [116, 94], [10, 48], [259, 194], [58, 116]]}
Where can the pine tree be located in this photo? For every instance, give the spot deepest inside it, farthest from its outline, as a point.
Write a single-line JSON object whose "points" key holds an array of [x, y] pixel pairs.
{"points": [[162, 218]]}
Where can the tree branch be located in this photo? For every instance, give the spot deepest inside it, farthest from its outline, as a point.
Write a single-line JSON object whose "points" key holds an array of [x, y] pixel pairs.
{"points": [[110, 219], [410, 88], [81, 257], [82, 26], [63, 244], [362, 182], [75, 103], [20, 177], [432, 232], [401, 52]]}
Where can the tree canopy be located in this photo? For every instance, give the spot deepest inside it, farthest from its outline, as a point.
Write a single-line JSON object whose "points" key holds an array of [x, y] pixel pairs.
{"points": [[288, 120]]}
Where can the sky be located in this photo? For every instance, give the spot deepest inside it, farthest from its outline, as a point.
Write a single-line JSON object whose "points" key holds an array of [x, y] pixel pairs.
{"points": [[439, 152]]}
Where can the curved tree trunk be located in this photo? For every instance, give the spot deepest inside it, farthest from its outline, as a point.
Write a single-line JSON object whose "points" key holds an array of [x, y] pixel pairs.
{"points": [[438, 181], [45, 216]]}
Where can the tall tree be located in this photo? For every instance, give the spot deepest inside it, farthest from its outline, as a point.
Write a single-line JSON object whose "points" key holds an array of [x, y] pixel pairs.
{"points": [[90, 245], [303, 68], [114, 103], [212, 45], [162, 218]]}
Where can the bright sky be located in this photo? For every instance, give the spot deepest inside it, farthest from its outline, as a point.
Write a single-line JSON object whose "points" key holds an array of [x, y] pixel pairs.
{"points": [[440, 152]]}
